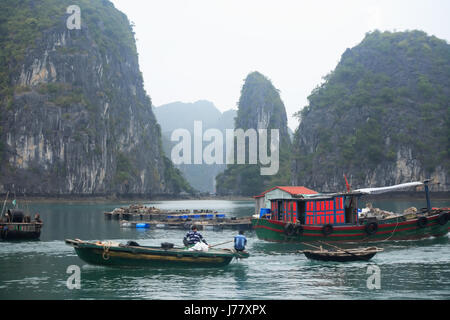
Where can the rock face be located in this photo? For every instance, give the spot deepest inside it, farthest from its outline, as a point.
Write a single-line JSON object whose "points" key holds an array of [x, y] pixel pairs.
{"points": [[260, 107], [381, 117], [76, 119]]}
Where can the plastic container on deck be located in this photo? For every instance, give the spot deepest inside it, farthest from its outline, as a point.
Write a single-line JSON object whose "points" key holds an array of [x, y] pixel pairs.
{"points": [[263, 212], [142, 225]]}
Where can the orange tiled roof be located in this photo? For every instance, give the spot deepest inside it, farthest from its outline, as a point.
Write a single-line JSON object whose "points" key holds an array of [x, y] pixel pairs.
{"points": [[291, 190]]}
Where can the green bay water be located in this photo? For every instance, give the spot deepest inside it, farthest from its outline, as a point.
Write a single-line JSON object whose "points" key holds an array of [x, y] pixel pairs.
{"points": [[38, 269]]}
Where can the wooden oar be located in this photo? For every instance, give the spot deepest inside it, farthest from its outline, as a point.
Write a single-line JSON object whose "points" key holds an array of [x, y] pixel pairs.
{"points": [[215, 245], [330, 245], [311, 245], [340, 249]]}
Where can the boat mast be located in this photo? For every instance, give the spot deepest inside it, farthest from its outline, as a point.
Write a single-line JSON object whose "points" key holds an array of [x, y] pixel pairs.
{"points": [[427, 193]]}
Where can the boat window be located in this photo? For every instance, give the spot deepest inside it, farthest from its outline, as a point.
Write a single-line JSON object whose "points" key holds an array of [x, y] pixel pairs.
{"points": [[327, 211]]}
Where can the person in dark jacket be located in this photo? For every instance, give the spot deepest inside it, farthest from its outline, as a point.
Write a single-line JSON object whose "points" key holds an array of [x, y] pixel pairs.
{"points": [[240, 241], [192, 237]]}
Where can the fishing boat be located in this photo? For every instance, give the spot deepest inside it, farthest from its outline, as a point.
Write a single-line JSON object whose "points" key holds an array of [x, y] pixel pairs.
{"points": [[16, 225], [312, 216], [357, 254], [109, 253]]}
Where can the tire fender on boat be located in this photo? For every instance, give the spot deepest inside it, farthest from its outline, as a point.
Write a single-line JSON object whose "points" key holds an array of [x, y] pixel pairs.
{"points": [[422, 222], [443, 218], [289, 229], [327, 229], [371, 228]]}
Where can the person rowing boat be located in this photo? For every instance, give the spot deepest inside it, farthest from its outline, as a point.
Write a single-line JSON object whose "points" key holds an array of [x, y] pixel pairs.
{"points": [[194, 239]]}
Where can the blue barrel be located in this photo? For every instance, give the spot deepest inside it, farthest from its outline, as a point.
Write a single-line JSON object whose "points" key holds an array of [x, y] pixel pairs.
{"points": [[196, 216], [263, 212], [222, 215], [142, 225], [184, 216], [209, 216]]}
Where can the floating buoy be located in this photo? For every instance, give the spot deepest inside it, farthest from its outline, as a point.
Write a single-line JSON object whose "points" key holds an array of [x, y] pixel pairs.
{"points": [[142, 225]]}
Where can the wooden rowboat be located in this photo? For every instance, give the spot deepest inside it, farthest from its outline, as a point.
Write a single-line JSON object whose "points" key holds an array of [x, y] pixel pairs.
{"points": [[114, 254], [358, 254]]}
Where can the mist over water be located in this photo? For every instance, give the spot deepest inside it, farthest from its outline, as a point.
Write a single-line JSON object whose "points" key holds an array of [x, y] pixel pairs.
{"points": [[37, 269]]}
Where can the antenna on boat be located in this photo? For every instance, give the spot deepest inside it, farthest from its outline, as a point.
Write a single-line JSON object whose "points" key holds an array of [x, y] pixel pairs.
{"points": [[4, 203]]}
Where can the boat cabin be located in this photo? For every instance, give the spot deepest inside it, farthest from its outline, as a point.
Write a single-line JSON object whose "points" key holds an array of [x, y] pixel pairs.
{"points": [[339, 209], [307, 207], [280, 192]]}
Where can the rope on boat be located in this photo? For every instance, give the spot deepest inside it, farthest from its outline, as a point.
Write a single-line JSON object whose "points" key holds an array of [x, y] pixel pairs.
{"points": [[393, 231], [106, 248]]}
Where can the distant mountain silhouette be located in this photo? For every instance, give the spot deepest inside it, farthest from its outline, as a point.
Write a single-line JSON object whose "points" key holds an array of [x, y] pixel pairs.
{"points": [[181, 115]]}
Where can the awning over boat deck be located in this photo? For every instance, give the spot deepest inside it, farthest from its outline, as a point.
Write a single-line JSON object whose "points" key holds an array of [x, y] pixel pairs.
{"points": [[390, 188], [363, 191]]}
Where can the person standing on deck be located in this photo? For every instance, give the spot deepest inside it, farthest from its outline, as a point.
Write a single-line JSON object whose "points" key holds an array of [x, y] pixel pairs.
{"points": [[192, 237], [240, 241]]}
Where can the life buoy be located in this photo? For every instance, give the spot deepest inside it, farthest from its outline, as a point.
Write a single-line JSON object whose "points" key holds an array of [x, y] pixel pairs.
{"points": [[289, 229], [443, 218], [422, 222], [371, 228], [298, 229], [327, 229]]}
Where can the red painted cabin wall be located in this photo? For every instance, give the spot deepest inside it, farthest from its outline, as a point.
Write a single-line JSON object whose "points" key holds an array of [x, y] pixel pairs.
{"points": [[330, 211]]}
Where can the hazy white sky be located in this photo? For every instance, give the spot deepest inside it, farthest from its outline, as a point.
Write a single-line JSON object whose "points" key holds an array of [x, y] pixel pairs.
{"points": [[191, 50]]}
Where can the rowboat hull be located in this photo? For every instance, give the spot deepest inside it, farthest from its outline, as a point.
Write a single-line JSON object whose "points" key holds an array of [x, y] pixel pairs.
{"points": [[339, 257], [151, 256], [272, 230]]}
